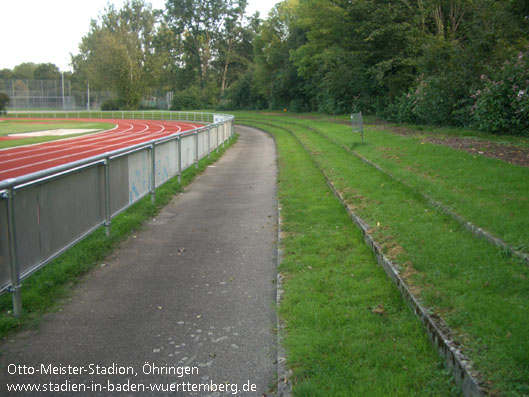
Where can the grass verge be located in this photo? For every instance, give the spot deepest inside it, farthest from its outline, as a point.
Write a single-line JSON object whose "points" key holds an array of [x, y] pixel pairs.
{"points": [[478, 291], [348, 332], [43, 291]]}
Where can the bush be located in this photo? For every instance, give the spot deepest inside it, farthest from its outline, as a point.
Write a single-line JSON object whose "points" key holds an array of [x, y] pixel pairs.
{"points": [[4, 100], [188, 99], [401, 110], [501, 106], [113, 104]]}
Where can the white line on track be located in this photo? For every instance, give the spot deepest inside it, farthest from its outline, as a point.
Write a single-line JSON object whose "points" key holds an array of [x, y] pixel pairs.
{"points": [[93, 143]]}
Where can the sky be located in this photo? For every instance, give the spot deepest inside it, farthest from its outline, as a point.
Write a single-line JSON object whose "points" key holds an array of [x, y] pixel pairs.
{"points": [[48, 31]]}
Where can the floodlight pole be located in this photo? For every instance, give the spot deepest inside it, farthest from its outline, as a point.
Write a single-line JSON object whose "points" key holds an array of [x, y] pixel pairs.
{"points": [[62, 84], [88, 96]]}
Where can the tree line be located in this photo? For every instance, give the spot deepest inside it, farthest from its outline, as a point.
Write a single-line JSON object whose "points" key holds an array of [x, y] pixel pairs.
{"points": [[447, 62]]}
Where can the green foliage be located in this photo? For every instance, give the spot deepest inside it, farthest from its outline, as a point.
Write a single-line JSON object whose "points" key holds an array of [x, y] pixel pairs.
{"points": [[418, 61], [47, 71], [276, 79], [116, 55], [188, 99], [243, 94], [502, 104], [24, 71], [434, 100], [31, 71], [113, 104], [4, 100]]}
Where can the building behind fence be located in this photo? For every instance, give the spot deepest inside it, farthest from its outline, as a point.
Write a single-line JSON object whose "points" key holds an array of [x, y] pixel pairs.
{"points": [[59, 95]]}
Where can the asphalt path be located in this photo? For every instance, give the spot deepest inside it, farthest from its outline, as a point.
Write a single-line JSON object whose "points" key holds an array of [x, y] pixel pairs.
{"points": [[186, 305]]}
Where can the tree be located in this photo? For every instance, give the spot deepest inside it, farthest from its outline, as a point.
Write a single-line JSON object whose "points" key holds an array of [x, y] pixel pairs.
{"points": [[117, 53], [47, 71], [24, 71], [235, 48], [210, 32], [6, 74], [275, 76], [4, 100]]}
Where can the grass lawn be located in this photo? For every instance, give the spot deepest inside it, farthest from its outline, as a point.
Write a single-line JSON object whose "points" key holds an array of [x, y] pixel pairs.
{"points": [[18, 126], [481, 293]]}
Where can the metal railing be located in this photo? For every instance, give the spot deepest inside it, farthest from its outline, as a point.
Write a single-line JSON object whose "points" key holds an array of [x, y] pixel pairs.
{"points": [[45, 213]]}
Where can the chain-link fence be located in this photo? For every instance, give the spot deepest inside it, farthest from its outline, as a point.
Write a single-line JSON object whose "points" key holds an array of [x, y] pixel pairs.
{"points": [[60, 95]]}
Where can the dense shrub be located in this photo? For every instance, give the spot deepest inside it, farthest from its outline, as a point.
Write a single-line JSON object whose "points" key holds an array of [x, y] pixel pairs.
{"points": [[112, 104], [244, 94], [188, 99], [4, 100], [501, 106], [433, 100]]}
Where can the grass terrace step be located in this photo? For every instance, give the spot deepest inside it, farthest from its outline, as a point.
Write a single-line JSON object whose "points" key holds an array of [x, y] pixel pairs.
{"points": [[479, 292], [348, 332]]}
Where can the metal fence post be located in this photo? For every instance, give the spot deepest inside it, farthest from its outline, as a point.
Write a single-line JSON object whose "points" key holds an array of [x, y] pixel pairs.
{"points": [[196, 149], [153, 175], [179, 142], [209, 142], [13, 259], [108, 218]]}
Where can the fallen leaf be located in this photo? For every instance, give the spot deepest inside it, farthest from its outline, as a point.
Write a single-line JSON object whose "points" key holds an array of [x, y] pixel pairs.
{"points": [[379, 309]]}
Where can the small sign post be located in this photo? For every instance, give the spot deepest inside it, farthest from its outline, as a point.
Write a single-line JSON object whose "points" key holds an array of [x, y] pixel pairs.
{"points": [[357, 124]]}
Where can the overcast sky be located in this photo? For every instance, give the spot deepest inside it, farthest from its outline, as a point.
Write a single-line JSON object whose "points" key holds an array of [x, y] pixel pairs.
{"points": [[42, 31]]}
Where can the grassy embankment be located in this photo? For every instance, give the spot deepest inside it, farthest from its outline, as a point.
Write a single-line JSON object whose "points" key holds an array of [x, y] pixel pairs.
{"points": [[480, 292], [43, 291]]}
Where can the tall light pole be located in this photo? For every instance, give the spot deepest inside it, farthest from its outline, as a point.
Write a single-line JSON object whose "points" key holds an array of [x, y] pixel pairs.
{"points": [[88, 96], [62, 82]]}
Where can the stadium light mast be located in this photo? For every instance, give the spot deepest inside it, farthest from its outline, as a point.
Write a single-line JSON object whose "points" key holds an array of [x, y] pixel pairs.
{"points": [[62, 83], [88, 96]]}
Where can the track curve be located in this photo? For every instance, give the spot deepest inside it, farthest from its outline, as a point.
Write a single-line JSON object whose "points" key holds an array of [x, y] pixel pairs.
{"points": [[23, 160]]}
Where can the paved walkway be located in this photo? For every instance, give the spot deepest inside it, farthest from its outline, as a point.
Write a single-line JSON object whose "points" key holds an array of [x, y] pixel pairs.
{"points": [[194, 288]]}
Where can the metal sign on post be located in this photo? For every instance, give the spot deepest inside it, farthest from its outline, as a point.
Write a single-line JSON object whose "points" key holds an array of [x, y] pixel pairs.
{"points": [[357, 124]]}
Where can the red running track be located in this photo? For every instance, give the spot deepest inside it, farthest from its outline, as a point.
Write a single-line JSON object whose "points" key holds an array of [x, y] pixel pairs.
{"points": [[24, 160]]}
